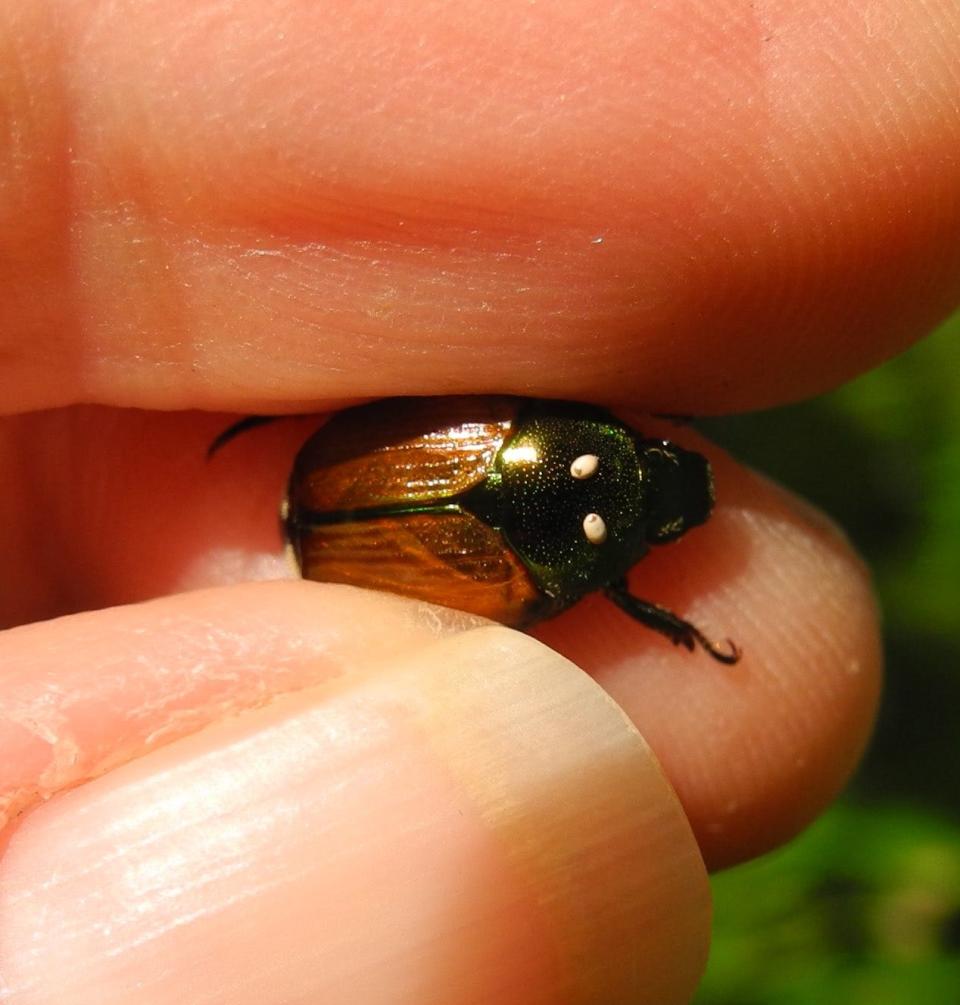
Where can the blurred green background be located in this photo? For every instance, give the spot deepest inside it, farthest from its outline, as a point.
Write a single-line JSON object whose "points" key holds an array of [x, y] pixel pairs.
{"points": [[865, 906]]}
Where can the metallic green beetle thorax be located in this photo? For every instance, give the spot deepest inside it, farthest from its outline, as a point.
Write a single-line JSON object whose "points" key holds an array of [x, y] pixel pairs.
{"points": [[540, 506]]}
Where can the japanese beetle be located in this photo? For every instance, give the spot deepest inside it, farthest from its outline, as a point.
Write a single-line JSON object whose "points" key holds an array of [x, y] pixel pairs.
{"points": [[511, 508]]}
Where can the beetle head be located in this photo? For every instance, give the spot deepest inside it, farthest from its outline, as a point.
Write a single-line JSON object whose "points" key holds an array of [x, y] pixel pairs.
{"points": [[679, 489]]}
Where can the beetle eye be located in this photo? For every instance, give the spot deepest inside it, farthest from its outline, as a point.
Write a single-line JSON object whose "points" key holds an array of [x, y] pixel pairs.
{"points": [[584, 466], [594, 528]]}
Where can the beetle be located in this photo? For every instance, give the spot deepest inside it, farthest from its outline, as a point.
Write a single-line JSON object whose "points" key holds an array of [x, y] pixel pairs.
{"points": [[511, 508]]}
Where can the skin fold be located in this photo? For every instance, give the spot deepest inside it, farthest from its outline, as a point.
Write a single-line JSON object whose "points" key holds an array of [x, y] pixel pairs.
{"points": [[286, 792]]}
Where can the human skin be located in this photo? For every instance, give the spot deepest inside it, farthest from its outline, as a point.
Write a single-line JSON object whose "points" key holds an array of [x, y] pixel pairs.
{"points": [[290, 792]]}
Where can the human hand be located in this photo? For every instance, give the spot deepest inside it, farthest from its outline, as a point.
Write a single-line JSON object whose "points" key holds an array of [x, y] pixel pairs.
{"points": [[306, 793]]}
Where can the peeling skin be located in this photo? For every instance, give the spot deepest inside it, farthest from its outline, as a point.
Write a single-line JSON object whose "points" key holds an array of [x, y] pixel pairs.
{"points": [[60, 726]]}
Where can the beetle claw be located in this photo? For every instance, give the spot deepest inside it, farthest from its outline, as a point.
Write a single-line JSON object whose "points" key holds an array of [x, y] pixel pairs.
{"points": [[730, 655], [668, 624]]}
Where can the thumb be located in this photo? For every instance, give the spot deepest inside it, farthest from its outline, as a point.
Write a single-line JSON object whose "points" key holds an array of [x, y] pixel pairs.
{"points": [[472, 815]]}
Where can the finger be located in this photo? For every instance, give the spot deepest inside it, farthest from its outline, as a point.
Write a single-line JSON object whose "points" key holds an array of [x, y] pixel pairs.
{"points": [[109, 507], [423, 822], [694, 206], [754, 751]]}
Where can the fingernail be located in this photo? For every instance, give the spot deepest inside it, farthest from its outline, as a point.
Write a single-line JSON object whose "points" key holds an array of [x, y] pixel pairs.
{"points": [[474, 822]]}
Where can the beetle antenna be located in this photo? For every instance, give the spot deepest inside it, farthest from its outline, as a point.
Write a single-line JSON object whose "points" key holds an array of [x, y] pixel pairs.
{"points": [[242, 426], [668, 624]]}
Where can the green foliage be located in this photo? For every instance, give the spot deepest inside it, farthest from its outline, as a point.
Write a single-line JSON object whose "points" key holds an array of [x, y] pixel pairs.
{"points": [[865, 907], [862, 910]]}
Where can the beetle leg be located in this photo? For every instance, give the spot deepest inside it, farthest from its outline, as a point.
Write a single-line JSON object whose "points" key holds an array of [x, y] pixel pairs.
{"points": [[678, 631], [241, 426]]}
